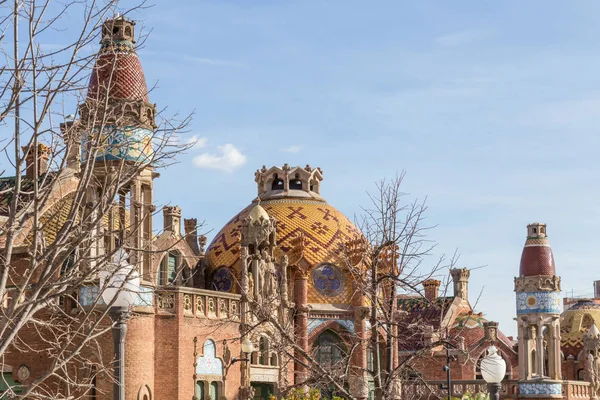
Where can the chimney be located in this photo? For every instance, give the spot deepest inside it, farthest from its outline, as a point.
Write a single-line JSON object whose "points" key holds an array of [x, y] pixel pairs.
{"points": [[460, 276], [596, 289], [191, 234], [42, 159], [172, 219], [431, 287], [72, 139]]}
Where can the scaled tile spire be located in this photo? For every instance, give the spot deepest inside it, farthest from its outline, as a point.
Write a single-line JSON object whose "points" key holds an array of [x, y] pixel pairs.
{"points": [[537, 257], [118, 72]]}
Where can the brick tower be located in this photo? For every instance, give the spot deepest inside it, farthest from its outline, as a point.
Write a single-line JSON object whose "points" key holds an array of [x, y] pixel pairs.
{"points": [[538, 313]]}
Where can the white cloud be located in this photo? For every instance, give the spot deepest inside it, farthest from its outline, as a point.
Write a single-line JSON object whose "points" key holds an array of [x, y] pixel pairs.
{"points": [[196, 142], [293, 149], [227, 159]]}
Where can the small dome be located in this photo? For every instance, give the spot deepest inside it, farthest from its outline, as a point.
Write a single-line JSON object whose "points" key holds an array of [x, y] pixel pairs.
{"points": [[257, 212], [537, 257]]}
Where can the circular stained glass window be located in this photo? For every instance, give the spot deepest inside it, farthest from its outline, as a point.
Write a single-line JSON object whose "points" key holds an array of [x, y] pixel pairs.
{"points": [[222, 280], [328, 279]]}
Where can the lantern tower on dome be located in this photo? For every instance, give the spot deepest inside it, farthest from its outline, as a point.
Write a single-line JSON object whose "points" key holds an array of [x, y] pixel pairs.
{"points": [[116, 127], [538, 313]]}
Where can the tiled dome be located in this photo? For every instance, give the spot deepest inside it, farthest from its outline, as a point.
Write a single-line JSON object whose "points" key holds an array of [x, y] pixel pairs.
{"points": [[325, 229], [537, 257], [574, 323]]}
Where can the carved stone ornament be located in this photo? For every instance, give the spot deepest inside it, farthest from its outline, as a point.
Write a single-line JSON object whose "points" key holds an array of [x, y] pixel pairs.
{"points": [[540, 283], [199, 306], [23, 373], [165, 301], [187, 303]]}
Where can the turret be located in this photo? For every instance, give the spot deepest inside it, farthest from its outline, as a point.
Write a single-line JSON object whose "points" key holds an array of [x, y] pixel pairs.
{"points": [[287, 181], [538, 313]]}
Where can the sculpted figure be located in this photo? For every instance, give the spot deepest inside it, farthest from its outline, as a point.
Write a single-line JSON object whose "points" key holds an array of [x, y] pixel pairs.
{"points": [[591, 373], [250, 286], [269, 284], [260, 284]]}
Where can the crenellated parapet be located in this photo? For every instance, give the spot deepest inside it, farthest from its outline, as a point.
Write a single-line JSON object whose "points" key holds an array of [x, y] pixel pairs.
{"points": [[276, 182]]}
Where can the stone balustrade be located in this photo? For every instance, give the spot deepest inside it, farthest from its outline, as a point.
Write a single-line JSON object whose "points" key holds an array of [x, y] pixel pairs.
{"points": [[432, 390], [198, 303], [571, 390], [576, 390]]}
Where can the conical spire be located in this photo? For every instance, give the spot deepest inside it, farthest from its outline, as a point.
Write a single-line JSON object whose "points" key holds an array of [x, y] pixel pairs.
{"points": [[537, 257], [118, 72]]}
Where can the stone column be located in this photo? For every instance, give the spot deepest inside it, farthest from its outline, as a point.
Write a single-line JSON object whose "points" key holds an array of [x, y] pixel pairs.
{"points": [[522, 350], [540, 349], [359, 387], [301, 325]]}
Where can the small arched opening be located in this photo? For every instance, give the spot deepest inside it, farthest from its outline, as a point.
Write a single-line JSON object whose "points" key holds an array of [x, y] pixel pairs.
{"points": [[296, 183], [277, 183]]}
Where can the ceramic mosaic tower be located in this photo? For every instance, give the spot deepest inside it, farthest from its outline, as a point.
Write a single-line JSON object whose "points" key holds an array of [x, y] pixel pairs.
{"points": [[538, 314], [117, 125]]}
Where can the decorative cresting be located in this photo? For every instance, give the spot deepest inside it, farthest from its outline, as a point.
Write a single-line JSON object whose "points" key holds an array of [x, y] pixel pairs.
{"points": [[538, 314], [117, 115], [591, 342]]}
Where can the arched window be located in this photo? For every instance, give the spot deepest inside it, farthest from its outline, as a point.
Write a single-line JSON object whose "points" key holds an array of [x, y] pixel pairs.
{"points": [[533, 363], [214, 391], [296, 183], [277, 183], [581, 374], [330, 348], [168, 269], [263, 347], [199, 390]]}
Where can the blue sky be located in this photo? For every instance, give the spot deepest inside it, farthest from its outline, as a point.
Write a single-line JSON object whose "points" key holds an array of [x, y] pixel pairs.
{"points": [[491, 107]]}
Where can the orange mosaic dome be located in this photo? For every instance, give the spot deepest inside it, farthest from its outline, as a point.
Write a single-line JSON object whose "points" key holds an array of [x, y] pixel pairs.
{"points": [[325, 229], [290, 196]]}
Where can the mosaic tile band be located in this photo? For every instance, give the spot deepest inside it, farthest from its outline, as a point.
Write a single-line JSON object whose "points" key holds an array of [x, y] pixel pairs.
{"points": [[538, 389], [128, 143], [539, 302]]}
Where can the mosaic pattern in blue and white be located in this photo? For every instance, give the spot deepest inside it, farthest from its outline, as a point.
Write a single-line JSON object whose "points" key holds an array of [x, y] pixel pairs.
{"points": [[538, 302], [315, 323], [127, 143], [540, 388], [88, 295], [208, 363]]}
